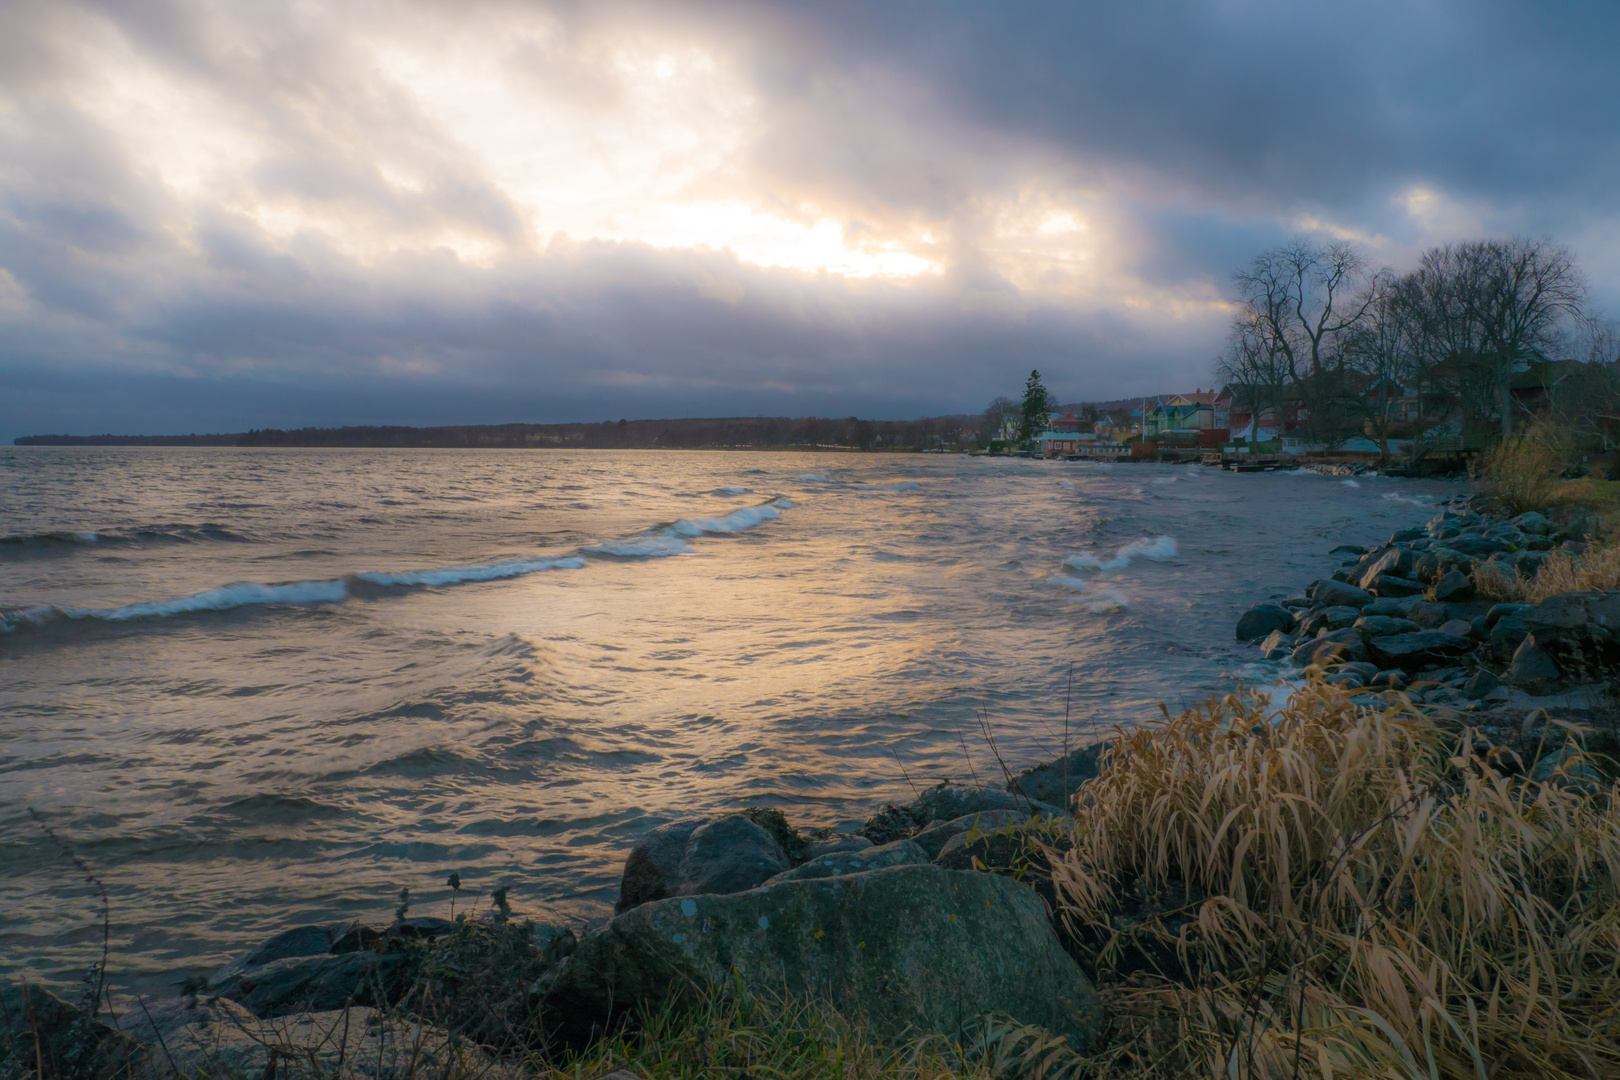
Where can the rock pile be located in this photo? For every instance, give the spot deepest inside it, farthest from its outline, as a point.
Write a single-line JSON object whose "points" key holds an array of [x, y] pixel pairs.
{"points": [[1407, 614]]}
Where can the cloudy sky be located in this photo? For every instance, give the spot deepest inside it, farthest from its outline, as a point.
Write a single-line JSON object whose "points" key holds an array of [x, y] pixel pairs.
{"points": [[221, 215]]}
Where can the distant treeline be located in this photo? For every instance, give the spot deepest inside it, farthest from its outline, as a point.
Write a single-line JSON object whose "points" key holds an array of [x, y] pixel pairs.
{"points": [[731, 432]]}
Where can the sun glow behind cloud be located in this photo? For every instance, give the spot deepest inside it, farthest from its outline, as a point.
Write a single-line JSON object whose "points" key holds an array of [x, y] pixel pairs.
{"points": [[638, 142]]}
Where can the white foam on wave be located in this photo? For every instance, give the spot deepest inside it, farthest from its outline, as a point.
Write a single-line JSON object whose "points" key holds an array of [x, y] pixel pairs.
{"points": [[1107, 602], [238, 594], [814, 478], [456, 575], [1158, 548], [736, 521], [1067, 582], [1409, 500], [1065, 483], [1350, 483], [646, 547], [730, 491]]}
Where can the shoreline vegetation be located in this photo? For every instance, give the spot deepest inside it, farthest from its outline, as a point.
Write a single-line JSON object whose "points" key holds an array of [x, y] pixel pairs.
{"points": [[1402, 860]]}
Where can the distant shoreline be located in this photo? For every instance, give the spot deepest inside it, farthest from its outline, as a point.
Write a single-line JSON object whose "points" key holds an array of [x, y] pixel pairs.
{"points": [[712, 433]]}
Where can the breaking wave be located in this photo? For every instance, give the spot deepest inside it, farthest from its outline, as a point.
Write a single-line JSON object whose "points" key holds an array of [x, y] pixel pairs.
{"points": [[64, 540], [1158, 548], [457, 575], [1409, 500], [647, 547], [736, 521]]}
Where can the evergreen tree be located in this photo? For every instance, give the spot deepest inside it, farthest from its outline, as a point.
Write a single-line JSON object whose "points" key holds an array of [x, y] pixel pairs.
{"points": [[1037, 408]]}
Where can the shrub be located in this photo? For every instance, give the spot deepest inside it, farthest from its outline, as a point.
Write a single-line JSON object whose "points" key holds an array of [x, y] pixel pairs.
{"points": [[1328, 889], [1523, 473], [1597, 569]]}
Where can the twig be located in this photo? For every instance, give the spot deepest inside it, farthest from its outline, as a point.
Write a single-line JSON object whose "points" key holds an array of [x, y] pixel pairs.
{"points": [[905, 774]]}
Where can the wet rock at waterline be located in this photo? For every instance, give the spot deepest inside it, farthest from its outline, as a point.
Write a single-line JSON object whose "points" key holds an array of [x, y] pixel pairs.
{"points": [[1054, 783], [932, 839], [699, 855], [912, 949], [1263, 619]]}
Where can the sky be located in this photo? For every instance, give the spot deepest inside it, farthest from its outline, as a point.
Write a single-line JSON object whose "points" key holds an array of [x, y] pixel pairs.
{"points": [[217, 216]]}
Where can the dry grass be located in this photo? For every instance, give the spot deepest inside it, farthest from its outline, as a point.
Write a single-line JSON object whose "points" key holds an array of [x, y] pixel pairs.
{"points": [[1523, 473], [1330, 892], [1598, 568]]}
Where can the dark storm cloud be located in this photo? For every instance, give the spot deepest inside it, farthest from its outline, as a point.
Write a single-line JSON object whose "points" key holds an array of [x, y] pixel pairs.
{"points": [[1187, 135]]}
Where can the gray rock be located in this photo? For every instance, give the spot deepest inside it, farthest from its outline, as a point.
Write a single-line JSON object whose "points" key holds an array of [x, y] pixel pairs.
{"points": [[1383, 626], [1390, 679], [1363, 669], [1428, 614], [1350, 680], [932, 839], [316, 983], [1457, 627], [1393, 585], [1397, 562], [1338, 594], [1392, 609], [1350, 550], [653, 865], [299, 941], [1559, 617], [727, 855], [1506, 635], [947, 801], [1497, 611], [1276, 646], [898, 853], [1404, 536], [1340, 645], [1415, 651], [1569, 768], [1480, 684], [910, 949], [1452, 586], [1055, 782], [1533, 669], [1337, 618], [1532, 523], [838, 842], [1262, 619]]}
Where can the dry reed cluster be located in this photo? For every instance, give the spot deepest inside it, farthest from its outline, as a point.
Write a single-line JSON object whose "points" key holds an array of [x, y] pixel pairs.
{"points": [[1331, 890], [1599, 568]]}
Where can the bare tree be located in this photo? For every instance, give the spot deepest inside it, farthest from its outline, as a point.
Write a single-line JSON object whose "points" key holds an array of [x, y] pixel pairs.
{"points": [[1380, 350], [1302, 298], [1256, 370]]}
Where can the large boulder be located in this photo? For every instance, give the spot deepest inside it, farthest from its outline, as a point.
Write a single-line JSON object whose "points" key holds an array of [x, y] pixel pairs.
{"points": [[699, 855], [898, 853], [1262, 619], [1505, 635], [946, 802], [1339, 594], [1418, 650], [910, 949]]}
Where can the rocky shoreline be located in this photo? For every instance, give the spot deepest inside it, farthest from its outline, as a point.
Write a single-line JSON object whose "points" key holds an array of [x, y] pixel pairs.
{"points": [[1407, 617], [932, 915]]}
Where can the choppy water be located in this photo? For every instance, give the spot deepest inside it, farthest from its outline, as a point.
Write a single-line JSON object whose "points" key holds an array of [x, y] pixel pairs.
{"points": [[260, 686]]}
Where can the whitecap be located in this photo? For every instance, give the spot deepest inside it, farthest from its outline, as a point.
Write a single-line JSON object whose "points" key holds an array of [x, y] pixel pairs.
{"points": [[1158, 548], [456, 575], [1409, 500], [646, 547], [814, 478], [1350, 483], [1107, 603], [730, 491], [1077, 584], [734, 522], [238, 594]]}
